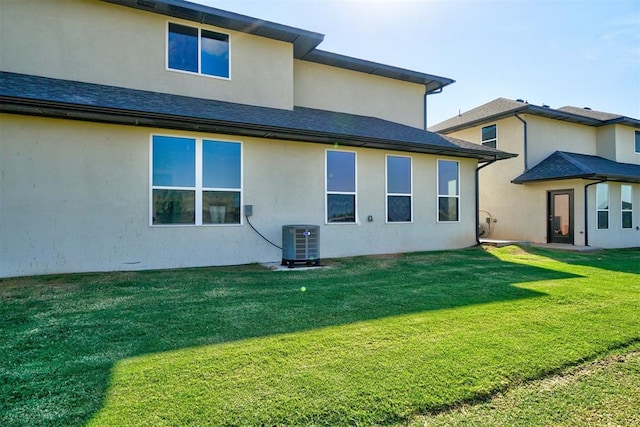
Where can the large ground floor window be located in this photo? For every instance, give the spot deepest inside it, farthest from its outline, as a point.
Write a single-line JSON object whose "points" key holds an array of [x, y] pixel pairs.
{"points": [[195, 181]]}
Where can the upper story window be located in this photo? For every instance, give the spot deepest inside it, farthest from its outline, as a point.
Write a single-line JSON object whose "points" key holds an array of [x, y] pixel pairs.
{"points": [[448, 191], [341, 186], [490, 136], [626, 192], [602, 206], [399, 205], [195, 181], [637, 145], [195, 50]]}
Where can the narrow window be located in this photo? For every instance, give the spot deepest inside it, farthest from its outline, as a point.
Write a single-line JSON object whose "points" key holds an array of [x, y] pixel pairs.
{"points": [[195, 181], [448, 191], [174, 180], [602, 204], [637, 145], [627, 206], [197, 51], [221, 182], [341, 186], [490, 136], [399, 205]]}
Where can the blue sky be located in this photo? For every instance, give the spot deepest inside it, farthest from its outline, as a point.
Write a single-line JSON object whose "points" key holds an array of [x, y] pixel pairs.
{"points": [[570, 52]]}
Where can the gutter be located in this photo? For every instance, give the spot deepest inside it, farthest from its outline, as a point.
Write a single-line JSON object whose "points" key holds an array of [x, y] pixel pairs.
{"points": [[179, 122], [478, 196], [586, 211], [526, 162]]}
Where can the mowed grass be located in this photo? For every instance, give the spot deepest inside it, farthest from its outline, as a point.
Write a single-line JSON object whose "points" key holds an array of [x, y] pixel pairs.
{"points": [[601, 393], [373, 340]]}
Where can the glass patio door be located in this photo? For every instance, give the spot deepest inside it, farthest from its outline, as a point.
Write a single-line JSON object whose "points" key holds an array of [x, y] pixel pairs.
{"points": [[560, 213]]}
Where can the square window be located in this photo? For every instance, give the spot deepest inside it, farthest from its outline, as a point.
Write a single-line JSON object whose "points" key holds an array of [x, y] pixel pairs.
{"points": [[341, 208], [174, 207], [197, 51], [221, 207], [448, 209], [195, 181]]}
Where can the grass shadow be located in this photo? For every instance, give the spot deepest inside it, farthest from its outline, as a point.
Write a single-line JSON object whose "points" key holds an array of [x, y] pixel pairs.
{"points": [[617, 260], [63, 334]]}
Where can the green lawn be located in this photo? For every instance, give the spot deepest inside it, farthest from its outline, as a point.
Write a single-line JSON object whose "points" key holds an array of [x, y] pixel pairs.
{"points": [[373, 340]]}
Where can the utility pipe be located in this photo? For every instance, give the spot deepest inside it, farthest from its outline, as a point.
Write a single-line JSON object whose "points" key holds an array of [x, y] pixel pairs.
{"points": [[478, 197], [526, 159]]}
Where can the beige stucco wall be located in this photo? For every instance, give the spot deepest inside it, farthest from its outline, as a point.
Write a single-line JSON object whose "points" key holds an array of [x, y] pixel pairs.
{"points": [[75, 197], [330, 88], [615, 236], [546, 136], [520, 211], [625, 144], [606, 142], [97, 42]]}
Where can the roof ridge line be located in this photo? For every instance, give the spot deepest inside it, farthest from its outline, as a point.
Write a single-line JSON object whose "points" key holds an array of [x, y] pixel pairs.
{"points": [[568, 156]]}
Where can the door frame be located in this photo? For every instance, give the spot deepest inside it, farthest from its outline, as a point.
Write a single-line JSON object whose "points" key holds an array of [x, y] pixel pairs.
{"points": [[551, 236]]}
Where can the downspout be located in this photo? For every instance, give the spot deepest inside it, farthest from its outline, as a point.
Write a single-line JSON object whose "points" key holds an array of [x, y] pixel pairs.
{"points": [[478, 197], [426, 92], [586, 211], [526, 160]]}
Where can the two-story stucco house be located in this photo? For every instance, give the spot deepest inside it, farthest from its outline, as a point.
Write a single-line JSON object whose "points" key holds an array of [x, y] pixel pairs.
{"points": [[142, 135], [576, 179]]}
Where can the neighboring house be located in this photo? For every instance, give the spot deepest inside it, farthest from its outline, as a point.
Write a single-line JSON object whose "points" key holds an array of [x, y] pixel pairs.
{"points": [[138, 134], [576, 179]]}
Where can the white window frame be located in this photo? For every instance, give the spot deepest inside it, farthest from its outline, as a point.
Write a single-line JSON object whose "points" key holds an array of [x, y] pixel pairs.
{"points": [[447, 195], [199, 188], [484, 142], [386, 186], [623, 210], [636, 142], [199, 73], [327, 192], [608, 210]]}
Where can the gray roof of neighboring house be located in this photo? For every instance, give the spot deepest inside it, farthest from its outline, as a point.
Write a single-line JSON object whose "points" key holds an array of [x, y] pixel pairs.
{"points": [[502, 107], [42, 96], [564, 165], [304, 42]]}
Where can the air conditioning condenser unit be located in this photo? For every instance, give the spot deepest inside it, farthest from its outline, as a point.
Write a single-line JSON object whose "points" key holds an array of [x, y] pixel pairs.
{"points": [[300, 243]]}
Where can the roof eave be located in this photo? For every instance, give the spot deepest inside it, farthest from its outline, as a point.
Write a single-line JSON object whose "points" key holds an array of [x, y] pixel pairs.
{"points": [[590, 176], [303, 41], [526, 109], [432, 82], [140, 118]]}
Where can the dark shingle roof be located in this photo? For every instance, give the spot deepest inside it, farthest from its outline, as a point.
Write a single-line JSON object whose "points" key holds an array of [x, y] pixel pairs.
{"points": [[502, 107], [26, 94], [593, 114], [564, 165]]}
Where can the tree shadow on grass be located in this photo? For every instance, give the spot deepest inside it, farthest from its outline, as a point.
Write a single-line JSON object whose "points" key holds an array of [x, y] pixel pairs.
{"points": [[63, 334]]}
